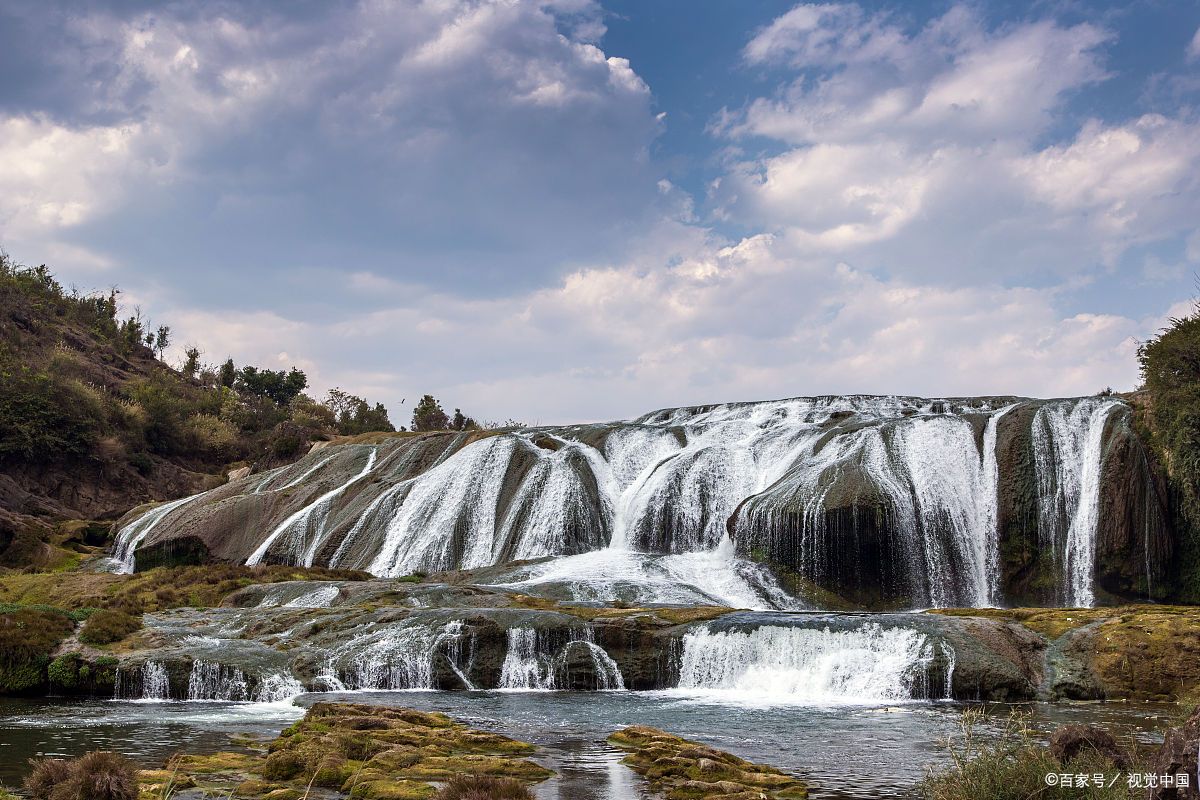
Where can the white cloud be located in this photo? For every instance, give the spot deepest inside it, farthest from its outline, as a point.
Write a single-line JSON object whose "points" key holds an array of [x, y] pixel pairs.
{"points": [[1193, 50]]}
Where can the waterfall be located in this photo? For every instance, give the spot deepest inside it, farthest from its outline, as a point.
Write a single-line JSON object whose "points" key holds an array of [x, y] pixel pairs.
{"points": [[276, 687], [148, 682], [132, 535], [398, 657], [533, 663], [1068, 439], [885, 500], [210, 681], [788, 665], [305, 529]]}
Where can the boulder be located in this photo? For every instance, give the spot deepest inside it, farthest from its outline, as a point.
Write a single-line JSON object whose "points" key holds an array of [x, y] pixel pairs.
{"points": [[1177, 757], [1069, 741]]}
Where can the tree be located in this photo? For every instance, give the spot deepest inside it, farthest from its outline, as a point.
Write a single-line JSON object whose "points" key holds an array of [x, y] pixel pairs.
{"points": [[228, 374], [354, 415], [463, 423], [192, 365], [429, 416], [162, 339], [278, 386]]}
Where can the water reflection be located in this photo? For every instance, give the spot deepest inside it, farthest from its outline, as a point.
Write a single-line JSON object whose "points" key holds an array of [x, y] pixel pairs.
{"points": [[843, 752]]}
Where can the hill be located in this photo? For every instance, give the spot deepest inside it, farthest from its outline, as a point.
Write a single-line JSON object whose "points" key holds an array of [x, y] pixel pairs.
{"points": [[93, 422]]}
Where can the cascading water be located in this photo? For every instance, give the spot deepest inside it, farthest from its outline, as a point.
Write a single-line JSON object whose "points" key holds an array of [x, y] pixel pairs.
{"points": [[533, 662], [1068, 445], [777, 665], [209, 681], [132, 535], [305, 530], [702, 505], [397, 657], [148, 682]]}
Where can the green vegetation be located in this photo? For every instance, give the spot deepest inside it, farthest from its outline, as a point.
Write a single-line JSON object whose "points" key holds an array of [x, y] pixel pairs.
{"points": [[680, 769], [27, 638], [87, 400], [107, 626], [1169, 415], [364, 751], [80, 593], [1014, 765]]}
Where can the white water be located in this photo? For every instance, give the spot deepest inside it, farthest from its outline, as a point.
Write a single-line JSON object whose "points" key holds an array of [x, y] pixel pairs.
{"points": [[306, 528], [776, 665], [129, 537], [531, 663], [396, 657], [641, 509], [210, 681], [1068, 445], [148, 682]]}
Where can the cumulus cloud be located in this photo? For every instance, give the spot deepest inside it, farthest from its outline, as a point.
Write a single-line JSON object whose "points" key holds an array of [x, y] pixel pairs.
{"points": [[461, 197], [482, 145], [922, 151]]}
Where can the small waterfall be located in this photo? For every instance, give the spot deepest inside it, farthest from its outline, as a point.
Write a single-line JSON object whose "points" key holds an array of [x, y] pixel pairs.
{"points": [[148, 682], [132, 535], [524, 667], [276, 687], [1068, 438], [532, 662], [788, 665], [398, 657], [305, 529], [211, 681]]}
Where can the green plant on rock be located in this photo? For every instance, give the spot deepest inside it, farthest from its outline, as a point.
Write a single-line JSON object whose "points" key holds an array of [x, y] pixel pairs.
{"points": [[484, 787], [107, 626], [64, 671]]}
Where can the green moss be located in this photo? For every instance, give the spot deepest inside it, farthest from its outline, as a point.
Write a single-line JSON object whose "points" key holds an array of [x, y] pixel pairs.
{"points": [[681, 769]]}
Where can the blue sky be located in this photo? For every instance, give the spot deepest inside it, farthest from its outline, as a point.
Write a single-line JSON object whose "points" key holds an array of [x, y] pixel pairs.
{"points": [[569, 210]]}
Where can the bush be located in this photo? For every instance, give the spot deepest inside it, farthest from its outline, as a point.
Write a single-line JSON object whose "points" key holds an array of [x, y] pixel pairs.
{"points": [[44, 775], [27, 637], [481, 787], [64, 671], [1171, 378], [107, 626], [99, 775]]}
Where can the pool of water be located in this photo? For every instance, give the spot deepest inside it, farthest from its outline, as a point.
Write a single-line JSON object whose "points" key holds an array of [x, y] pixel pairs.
{"points": [[861, 752]]}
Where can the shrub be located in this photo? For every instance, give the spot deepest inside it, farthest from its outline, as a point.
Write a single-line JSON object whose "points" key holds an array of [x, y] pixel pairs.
{"points": [[44, 775], [107, 626], [212, 435], [482, 787], [99, 775], [64, 671], [27, 637]]}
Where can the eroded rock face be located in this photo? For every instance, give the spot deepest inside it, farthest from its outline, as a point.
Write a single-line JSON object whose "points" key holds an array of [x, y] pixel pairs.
{"points": [[853, 502]]}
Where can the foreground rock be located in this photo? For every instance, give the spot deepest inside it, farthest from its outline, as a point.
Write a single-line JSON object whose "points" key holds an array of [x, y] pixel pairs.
{"points": [[1178, 757], [354, 750], [683, 770]]}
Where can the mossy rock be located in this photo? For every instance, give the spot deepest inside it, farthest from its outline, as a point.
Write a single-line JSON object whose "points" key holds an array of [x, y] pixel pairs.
{"points": [[392, 790], [685, 770]]}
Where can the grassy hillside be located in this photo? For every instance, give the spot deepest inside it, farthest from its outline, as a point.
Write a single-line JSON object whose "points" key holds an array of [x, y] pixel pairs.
{"points": [[93, 422]]}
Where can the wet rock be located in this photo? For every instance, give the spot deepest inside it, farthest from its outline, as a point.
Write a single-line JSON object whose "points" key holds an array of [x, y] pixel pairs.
{"points": [[1177, 757], [1069, 741]]}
